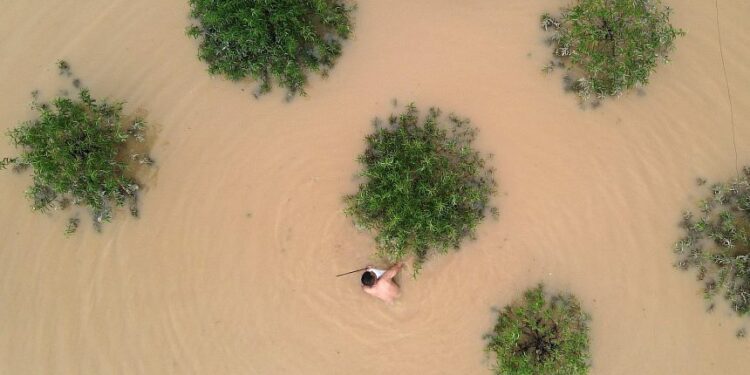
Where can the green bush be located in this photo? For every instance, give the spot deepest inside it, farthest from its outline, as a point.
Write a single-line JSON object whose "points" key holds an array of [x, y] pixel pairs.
{"points": [[270, 39], [75, 150], [425, 187], [541, 335], [717, 243], [610, 46]]}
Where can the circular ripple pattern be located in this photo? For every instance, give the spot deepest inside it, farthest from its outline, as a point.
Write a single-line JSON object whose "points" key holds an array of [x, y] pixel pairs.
{"points": [[231, 267]]}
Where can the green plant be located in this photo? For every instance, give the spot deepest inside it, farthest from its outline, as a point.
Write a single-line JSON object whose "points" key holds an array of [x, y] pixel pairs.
{"points": [[717, 243], [76, 149], [64, 68], [610, 46], [541, 335], [270, 39], [425, 187]]}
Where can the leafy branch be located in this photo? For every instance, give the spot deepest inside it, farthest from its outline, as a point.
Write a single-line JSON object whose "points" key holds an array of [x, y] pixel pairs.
{"points": [[425, 187], [270, 40]]}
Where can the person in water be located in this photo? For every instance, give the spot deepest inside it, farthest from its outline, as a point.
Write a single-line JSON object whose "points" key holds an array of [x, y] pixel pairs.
{"points": [[379, 283]]}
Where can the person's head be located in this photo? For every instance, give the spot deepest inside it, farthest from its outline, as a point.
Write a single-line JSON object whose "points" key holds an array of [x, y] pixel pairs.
{"points": [[369, 278]]}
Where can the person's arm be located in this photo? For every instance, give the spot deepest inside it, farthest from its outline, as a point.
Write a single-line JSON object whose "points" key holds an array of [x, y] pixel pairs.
{"points": [[393, 271]]}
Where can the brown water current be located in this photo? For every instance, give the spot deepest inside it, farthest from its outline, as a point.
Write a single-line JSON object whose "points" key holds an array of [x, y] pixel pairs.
{"points": [[230, 269]]}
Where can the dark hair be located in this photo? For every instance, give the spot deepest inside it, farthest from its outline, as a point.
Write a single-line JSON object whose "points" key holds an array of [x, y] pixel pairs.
{"points": [[368, 278]]}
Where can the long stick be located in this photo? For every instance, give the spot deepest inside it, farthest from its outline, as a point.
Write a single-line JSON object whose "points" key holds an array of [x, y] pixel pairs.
{"points": [[361, 269]]}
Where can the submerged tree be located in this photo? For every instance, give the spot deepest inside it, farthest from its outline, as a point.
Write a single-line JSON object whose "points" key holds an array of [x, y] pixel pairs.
{"points": [[541, 335], [270, 39], [717, 243], [75, 149], [610, 46], [425, 186]]}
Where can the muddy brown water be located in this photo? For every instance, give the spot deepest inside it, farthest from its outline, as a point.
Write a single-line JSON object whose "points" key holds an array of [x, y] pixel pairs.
{"points": [[230, 268]]}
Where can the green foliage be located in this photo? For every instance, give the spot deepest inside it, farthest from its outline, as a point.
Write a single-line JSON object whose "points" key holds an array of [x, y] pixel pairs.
{"points": [[612, 45], [717, 243], [541, 335], [425, 187], [64, 68], [72, 227], [270, 39], [74, 150]]}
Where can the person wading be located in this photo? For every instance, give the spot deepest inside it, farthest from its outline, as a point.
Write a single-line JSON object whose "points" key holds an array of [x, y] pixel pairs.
{"points": [[379, 283]]}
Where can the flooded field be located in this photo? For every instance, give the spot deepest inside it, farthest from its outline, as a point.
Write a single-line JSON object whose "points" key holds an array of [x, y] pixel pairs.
{"points": [[230, 269]]}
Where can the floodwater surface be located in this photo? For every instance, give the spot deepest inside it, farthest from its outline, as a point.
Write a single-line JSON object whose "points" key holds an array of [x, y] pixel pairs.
{"points": [[230, 269]]}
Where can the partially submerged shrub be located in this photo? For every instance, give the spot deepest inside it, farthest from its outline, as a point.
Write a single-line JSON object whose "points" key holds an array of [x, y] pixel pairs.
{"points": [[75, 150], [425, 186], [717, 243], [541, 335], [270, 39], [610, 46]]}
